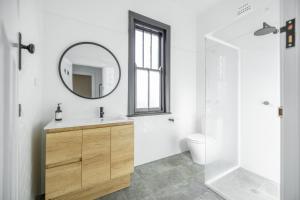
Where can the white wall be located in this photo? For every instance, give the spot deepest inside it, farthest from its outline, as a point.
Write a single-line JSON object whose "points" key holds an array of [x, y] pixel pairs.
{"points": [[106, 22], [260, 124]]}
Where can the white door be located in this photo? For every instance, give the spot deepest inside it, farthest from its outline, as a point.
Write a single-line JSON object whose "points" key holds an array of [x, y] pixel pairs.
{"points": [[290, 65], [9, 27]]}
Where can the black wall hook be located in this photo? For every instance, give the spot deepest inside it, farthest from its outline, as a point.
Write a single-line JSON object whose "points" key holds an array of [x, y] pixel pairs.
{"points": [[30, 48]]}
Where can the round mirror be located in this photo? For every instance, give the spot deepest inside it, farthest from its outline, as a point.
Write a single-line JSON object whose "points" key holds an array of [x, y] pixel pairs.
{"points": [[89, 70]]}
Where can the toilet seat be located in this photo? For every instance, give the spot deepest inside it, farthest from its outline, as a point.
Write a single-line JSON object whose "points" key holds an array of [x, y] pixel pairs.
{"points": [[197, 137], [197, 144]]}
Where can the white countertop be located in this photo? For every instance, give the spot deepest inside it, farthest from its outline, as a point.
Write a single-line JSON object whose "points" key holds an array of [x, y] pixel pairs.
{"points": [[85, 122]]}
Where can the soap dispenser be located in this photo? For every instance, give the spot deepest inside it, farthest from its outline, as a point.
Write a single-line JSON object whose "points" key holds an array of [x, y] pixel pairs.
{"points": [[58, 113]]}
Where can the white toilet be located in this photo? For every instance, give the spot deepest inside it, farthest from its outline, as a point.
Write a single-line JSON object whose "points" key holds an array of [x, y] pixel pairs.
{"points": [[196, 145]]}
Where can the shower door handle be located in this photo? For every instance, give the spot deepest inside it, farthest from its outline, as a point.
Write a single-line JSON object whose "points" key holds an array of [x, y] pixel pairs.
{"points": [[280, 112]]}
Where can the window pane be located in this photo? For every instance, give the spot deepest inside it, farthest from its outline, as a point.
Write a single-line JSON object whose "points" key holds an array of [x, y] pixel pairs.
{"points": [[154, 101], [155, 51], [141, 88], [147, 49], [139, 48]]}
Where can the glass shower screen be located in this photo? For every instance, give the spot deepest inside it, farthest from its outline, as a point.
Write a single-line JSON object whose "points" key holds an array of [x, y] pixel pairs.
{"points": [[222, 109]]}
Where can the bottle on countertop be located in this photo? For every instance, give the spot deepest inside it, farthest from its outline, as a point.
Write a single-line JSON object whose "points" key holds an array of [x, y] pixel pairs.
{"points": [[58, 113]]}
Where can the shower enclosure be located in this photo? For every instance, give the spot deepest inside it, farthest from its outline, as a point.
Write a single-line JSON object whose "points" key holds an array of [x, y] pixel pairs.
{"points": [[242, 99]]}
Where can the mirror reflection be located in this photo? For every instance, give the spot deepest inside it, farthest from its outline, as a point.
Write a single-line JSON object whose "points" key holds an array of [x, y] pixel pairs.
{"points": [[89, 70]]}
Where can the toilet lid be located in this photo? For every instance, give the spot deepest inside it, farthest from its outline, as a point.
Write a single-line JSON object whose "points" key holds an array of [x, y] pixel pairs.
{"points": [[197, 137]]}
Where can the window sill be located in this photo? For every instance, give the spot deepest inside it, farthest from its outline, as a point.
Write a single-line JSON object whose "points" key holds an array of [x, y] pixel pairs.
{"points": [[149, 114]]}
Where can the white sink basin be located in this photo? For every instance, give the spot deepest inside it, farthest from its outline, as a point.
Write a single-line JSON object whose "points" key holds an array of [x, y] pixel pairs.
{"points": [[86, 122]]}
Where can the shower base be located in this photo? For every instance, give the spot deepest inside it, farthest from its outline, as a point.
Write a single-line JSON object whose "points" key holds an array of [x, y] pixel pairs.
{"points": [[242, 184]]}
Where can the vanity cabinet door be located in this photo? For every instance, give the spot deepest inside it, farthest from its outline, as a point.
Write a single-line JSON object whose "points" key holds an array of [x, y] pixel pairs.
{"points": [[63, 180], [95, 156], [63, 148], [122, 150]]}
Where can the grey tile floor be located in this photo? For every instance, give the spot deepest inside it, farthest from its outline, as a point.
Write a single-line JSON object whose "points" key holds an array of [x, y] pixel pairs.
{"points": [[242, 184], [171, 178]]}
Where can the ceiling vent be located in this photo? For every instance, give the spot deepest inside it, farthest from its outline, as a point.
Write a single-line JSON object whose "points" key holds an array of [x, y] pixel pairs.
{"points": [[245, 8]]}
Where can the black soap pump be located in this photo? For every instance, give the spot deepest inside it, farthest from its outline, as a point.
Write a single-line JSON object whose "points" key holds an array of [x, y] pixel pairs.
{"points": [[58, 113]]}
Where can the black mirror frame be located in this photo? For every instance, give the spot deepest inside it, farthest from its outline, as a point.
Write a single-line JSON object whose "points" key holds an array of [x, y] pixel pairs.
{"points": [[96, 44]]}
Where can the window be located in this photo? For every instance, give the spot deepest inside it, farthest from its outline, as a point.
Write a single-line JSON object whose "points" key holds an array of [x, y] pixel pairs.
{"points": [[149, 66]]}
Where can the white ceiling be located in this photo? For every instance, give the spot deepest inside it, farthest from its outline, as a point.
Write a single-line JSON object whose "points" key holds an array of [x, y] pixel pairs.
{"points": [[196, 6]]}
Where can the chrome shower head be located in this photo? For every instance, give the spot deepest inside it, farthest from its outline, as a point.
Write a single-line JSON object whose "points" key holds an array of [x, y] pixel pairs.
{"points": [[266, 30]]}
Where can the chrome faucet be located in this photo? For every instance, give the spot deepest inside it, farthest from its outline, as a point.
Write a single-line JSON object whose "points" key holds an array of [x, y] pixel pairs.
{"points": [[101, 112]]}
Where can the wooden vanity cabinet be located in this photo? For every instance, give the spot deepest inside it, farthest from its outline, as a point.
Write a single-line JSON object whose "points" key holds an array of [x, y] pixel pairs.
{"points": [[63, 147], [121, 150], [95, 156], [63, 179], [88, 162]]}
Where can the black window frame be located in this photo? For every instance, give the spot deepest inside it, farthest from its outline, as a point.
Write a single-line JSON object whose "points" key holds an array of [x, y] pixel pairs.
{"points": [[137, 21]]}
